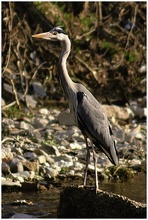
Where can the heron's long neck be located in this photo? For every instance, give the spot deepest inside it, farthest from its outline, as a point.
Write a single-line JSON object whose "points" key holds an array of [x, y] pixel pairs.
{"points": [[65, 80]]}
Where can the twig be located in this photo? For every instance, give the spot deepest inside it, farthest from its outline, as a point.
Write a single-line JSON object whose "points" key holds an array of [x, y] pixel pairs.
{"points": [[85, 64], [83, 35], [134, 21], [9, 105], [8, 139], [34, 75], [15, 93], [100, 10], [129, 35], [28, 84], [96, 22], [13, 87], [10, 42]]}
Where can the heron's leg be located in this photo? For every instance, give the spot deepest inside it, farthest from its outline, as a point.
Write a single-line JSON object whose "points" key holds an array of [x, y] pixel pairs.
{"points": [[95, 165], [87, 161]]}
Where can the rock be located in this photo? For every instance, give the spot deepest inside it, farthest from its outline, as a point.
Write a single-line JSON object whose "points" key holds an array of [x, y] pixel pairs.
{"points": [[21, 215], [26, 126], [32, 175], [135, 164], [64, 161], [52, 119], [30, 155], [8, 183], [40, 122], [85, 203], [138, 111], [142, 101], [25, 175], [5, 168], [117, 112], [77, 136], [78, 166], [6, 154], [16, 166], [142, 69], [44, 111], [18, 151], [51, 172], [50, 149], [38, 89], [3, 103], [49, 160], [74, 146], [65, 118], [41, 159], [31, 102], [31, 166], [16, 176]]}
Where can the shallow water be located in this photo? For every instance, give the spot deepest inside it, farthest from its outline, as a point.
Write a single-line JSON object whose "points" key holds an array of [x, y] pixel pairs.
{"points": [[45, 202]]}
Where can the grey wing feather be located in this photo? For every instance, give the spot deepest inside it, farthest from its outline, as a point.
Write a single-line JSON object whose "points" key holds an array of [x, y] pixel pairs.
{"points": [[93, 122]]}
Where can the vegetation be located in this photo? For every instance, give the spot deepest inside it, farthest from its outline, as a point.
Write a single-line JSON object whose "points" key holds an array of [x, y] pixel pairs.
{"points": [[108, 48]]}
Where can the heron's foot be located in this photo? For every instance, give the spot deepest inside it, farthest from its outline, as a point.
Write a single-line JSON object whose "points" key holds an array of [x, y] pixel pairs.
{"points": [[98, 190], [81, 186], [84, 186]]}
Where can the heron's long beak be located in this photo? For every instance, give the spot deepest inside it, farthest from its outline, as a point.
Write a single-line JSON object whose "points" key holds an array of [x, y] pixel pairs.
{"points": [[46, 35]]}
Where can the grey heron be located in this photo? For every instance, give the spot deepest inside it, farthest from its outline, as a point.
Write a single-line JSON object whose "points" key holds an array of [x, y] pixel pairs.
{"points": [[86, 110]]}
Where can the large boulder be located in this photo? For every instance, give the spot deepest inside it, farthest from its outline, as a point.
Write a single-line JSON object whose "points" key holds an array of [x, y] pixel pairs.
{"points": [[85, 203]]}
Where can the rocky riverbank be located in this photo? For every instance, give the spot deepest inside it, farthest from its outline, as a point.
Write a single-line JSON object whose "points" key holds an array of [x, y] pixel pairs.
{"points": [[47, 147]]}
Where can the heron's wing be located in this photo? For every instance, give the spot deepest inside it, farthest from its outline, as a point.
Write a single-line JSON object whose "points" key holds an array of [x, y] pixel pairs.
{"points": [[95, 125]]}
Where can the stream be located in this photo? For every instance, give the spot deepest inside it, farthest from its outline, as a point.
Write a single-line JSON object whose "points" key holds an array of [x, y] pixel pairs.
{"points": [[44, 204]]}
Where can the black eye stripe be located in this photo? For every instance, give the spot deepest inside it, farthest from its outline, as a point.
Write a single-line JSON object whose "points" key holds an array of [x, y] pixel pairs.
{"points": [[57, 30]]}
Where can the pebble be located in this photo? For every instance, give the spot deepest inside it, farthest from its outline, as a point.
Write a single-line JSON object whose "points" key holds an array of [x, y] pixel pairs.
{"points": [[40, 122], [78, 166], [74, 146], [51, 150], [44, 111], [65, 118], [51, 172], [26, 126]]}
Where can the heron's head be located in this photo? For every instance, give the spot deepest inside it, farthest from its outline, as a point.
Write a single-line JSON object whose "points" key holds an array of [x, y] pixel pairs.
{"points": [[55, 34]]}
